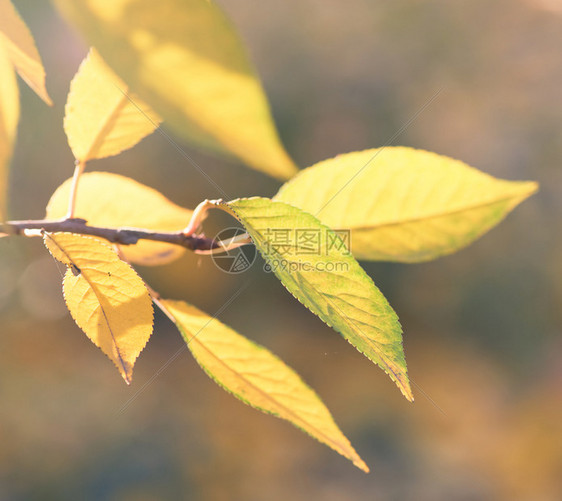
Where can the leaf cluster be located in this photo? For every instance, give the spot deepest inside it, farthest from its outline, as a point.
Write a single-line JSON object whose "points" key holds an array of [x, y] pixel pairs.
{"points": [[183, 64]]}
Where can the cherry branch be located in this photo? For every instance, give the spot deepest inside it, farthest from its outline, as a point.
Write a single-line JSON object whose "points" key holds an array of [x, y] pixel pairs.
{"points": [[122, 236]]}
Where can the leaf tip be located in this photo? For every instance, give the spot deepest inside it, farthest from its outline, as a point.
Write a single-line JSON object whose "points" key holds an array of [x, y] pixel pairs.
{"points": [[532, 187], [405, 388], [289, 170], [43, 94], [523, 190], [361, 465], [127, 376]]}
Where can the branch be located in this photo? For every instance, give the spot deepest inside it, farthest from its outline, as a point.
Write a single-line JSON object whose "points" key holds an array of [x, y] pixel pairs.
{"points": [[122, 236]]}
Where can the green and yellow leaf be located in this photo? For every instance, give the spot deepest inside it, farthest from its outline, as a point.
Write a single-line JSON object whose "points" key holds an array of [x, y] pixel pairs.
{"points": [[324, 277], [402, 204], [185, 59], [18, 41], [257, 377], [9, 115], [114, 201], [102, 118], [105, 297]]}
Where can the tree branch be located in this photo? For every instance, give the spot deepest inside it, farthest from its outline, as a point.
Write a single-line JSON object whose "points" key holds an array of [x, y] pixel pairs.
{"points": [[122, 236]]}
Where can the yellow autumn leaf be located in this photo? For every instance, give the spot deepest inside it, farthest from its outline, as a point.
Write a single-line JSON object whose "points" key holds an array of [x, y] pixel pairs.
{"points": [[186, 60], [105, 297], [9, 114], [256, 376], [101, 117], [17, 39], [402, 204], [114, 201]]}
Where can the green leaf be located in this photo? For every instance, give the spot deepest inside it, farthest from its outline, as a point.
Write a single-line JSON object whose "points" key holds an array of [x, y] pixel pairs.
{"points": [[403, 204], [9, 115], [185, 59], [256, 376], [324, 277]]}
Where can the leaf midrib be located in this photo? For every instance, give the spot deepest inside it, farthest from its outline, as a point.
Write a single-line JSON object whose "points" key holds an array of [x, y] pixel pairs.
{"points": [[106, 125], [437, 215], [115, 345]]}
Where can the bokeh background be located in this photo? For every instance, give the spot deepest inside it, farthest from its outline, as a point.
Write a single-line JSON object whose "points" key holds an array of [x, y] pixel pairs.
{"points": [[482, 327]]}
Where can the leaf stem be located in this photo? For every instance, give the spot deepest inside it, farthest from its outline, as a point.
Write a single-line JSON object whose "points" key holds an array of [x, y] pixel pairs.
{"points": [[78, 170], [157, 300], [199, 215], [229, 244]]}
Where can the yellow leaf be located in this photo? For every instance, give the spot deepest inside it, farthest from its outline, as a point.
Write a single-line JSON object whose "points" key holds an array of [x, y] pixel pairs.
{"points": [[9, 114], [16, 37], [105, 297], [403, 204], [186, 60], [257, 377], [101, 117], [114, 201]]}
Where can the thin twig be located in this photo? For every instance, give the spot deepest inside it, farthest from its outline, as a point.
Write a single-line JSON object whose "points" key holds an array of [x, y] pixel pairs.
{"points": [[122, 236]]}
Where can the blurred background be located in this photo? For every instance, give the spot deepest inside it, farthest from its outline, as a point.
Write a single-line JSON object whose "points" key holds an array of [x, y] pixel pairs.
{"points": [[482, 327]]}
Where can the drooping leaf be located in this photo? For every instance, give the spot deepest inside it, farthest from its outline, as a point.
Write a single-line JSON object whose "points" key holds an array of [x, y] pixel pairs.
{"points": [[257, 377], [105, 297], [402, 204], [102, 118], [314, 264], [18, 41], [114, 201], [9, 114], [185, 59]]}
